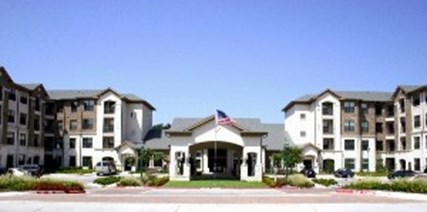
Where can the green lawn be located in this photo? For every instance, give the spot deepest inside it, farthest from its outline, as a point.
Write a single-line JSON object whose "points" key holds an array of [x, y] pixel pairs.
{"points": [[214, 184]]}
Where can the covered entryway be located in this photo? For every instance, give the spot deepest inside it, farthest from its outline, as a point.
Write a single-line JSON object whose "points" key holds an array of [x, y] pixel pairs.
{"points": [[215, 160]]}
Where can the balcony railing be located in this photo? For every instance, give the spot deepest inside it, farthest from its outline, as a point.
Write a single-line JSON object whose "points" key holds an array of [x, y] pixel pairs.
{"points": [[109, 128]]}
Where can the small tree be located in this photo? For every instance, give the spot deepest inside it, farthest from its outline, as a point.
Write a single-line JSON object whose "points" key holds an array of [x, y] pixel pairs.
{"points": [[277, 160], [291, 157], [144, 158]]}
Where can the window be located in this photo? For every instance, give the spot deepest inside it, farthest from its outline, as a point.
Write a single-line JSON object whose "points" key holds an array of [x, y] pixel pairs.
{"points": [[378, 109], [60, 125], [417, 142], [390, 111], [12, 94], [349, 163], [22, 139], [108, 142], [23, 119], [87, 142], [417, 121], [21, 159], [74, 106], [1, 93], [11, 116], [403, 143], [72, 143], [349, 125], [379, 127], [1, 114], [89, 105], [72, 161], [327, 108], [73, 124], [109, 107], [390, 128], [328, 144], [10, 140], [403, 124], [365, 145], [416, 99], [60, 107], [87, 124], [36, 160], [36, 140], [108, 125], [349, 107], [349, 144], [37, 123], [402, 105], [365, 164], [328, 127], [37, 104], [365, 126], [302, 116], [379, 146], [417, 166], [87, 161], [364, 107], [302, 134], [24, 99]]}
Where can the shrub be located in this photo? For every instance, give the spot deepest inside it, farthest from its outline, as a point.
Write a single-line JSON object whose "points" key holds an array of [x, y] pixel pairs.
{"points": [[325, 182], [414, 186], [107, 180], [270, 182], [12, 183], [160, 181], [74, 170], [129, 181], [300, 180]]}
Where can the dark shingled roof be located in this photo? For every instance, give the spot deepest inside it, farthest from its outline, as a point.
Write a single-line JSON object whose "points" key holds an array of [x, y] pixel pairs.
{"points": [[156, 139], [31, 86], [369, 96]]}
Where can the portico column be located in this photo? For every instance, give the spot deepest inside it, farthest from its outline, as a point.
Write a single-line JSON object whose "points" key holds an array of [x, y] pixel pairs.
{"points": [[172, 163]]}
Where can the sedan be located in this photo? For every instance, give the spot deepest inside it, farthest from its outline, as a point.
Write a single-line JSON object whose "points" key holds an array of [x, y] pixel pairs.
{"points": [[401, 174], [344, 173]]}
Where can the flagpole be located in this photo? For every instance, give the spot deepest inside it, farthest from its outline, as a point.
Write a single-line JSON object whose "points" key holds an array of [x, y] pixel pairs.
{"points": [[216, 126]]}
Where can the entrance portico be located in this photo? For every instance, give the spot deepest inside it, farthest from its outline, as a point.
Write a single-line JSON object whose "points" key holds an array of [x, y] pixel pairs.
{"points": [[204, 149]]}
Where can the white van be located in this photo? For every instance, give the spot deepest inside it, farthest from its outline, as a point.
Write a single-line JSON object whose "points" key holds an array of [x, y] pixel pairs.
{"points": [[105, 168]]}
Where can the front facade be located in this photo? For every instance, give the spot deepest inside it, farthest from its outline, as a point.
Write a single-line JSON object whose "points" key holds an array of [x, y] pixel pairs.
{"points": [[199, 148], [68, 127], [362, 130]]}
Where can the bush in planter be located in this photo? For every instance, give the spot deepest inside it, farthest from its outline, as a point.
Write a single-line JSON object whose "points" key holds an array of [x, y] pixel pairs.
{"points": [[325, 182], [300, 180], [13, 183], [160, 181], [270, 182], [107, 180], [129, 181]]}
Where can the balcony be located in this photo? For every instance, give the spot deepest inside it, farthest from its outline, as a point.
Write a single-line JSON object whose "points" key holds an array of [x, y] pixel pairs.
{"points": [[108, 128]]}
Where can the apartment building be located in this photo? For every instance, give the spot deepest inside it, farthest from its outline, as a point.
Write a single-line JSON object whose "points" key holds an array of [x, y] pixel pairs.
{"points": [[93, 123], [359, 130], [68, 127], [24, 124]]}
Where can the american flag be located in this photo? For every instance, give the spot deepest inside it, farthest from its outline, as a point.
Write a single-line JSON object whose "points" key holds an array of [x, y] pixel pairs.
{"points": [[223, 119]]}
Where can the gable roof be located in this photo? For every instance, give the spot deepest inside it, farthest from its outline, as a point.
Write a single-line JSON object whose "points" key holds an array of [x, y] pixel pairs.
{"points": [[408, 89], [94, 94], [368, 96], [187, 125]]}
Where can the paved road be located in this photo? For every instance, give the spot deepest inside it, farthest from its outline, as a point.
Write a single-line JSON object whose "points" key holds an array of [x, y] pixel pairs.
{"points": [[159, 199]]}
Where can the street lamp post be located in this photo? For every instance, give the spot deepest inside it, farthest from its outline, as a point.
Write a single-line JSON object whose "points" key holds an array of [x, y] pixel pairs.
{"points": [[286, 159]]}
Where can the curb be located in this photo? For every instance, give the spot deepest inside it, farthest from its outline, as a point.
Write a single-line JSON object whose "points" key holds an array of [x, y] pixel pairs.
{"points": [[50, 192], [354, 191]]}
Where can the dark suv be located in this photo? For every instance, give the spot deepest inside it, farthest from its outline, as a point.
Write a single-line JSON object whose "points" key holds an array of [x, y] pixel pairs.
{"points": [[401, 174]]}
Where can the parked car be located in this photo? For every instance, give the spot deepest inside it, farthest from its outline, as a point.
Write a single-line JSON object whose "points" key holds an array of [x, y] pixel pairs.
{"points": [[344, 173], [3, 170], [105, 168], [17, 172], [308, 172], [401, 174], [34, 170]]}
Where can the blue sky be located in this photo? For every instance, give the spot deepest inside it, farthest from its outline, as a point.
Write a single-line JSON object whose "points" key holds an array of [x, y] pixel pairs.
{"points": [[188, 58]]}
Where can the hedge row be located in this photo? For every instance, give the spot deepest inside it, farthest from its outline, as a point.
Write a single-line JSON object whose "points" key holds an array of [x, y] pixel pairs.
{"points": [[325, 182], [107, 180], [13, 183], [410, 186], [132, 181]]}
